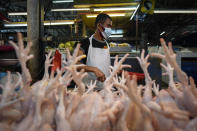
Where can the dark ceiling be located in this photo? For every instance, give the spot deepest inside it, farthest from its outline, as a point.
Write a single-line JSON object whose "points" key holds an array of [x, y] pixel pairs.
{"points": [[180, 28], [176, 26]]}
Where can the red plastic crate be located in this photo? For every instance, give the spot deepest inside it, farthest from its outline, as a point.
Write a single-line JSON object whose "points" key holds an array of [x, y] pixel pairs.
{"points": [[6, 48], [140, 76]]}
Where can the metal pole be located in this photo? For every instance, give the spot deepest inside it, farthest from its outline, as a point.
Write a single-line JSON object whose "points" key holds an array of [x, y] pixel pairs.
{"points": [[33, 35], [41, 44], [84, 30], [136, 41]]}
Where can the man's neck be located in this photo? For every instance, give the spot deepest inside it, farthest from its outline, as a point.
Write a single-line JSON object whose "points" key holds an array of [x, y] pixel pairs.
{"points": [[98, 36]]}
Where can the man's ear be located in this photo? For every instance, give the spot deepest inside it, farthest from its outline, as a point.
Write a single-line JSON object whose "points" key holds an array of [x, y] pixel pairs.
{"points": [[99, 27], [98, 24]]}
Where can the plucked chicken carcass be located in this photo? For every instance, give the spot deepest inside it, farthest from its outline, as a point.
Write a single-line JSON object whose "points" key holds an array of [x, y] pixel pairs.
{"points": [[48, 105]]}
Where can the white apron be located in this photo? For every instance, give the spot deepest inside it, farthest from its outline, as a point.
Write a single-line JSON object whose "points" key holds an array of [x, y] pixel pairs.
{"points": [[100, 58]]}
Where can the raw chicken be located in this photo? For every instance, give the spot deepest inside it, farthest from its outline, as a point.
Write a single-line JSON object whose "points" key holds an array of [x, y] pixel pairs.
{"points": [[48, 105]]}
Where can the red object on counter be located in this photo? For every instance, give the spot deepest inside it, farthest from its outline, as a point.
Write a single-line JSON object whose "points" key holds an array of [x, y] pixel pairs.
{"points": [[57, 61], [6, 48], [140, 76]]}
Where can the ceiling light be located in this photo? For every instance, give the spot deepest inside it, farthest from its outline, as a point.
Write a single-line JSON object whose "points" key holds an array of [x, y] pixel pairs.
{"points": [[176, 11], [59, 23], [15, 25], [62, 1], [17, 13], [112, 36], [106, 5], [114, 9], [74, 9], [135, 12], [162, 33], [23, 24], [112, 15]]}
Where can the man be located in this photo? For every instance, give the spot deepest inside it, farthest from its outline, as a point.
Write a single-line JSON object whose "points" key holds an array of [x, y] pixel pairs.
{"points": [[96, 49]]}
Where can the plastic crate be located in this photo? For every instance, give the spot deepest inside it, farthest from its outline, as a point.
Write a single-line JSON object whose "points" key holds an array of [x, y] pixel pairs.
{"points": [[140, 76]]}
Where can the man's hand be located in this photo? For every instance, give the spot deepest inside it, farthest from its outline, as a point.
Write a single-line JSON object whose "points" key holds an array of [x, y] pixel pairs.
{"points": [[99, 74]]}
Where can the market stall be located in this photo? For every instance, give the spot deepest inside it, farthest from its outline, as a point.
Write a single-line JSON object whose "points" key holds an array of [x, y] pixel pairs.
{"points": [[97, 65]]}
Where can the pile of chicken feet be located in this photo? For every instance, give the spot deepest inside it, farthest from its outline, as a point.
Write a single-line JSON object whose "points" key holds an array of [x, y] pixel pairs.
{"points": [[47, 105]]}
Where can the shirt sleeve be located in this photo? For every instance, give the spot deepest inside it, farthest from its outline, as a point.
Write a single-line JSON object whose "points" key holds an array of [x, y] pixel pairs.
{"points": [[85, 45]]}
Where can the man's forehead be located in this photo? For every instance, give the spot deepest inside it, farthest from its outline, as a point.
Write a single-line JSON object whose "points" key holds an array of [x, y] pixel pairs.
{"points": [[108, 21]]}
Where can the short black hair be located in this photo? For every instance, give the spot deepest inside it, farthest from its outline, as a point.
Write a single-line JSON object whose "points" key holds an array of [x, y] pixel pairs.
{"points": [[101, 18]]}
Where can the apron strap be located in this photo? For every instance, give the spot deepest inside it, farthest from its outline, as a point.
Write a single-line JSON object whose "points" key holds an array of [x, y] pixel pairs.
{"points": [[90, 39], [107, 44]]}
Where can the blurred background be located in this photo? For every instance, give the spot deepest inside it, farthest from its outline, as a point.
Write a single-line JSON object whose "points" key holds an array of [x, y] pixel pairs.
{"points": [[137, 25]]}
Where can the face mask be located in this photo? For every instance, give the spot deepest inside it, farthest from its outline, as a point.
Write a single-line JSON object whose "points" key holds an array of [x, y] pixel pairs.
{"points": [[106, 33]]}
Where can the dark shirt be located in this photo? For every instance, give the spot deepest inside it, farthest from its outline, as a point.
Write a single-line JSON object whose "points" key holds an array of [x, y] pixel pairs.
{"points": [[85, 43]]}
